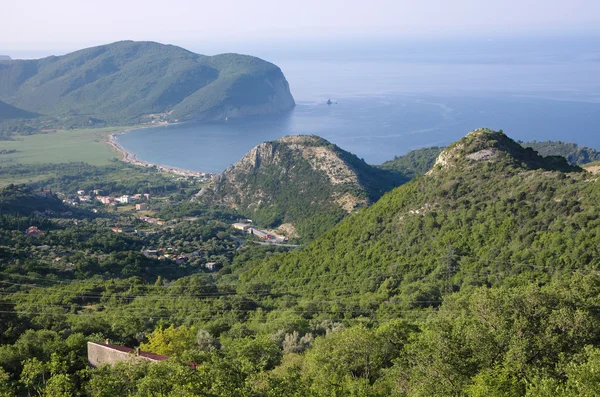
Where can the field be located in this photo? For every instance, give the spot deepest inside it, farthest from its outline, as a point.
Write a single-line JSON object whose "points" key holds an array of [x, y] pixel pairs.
{"points": [[86, 145]]}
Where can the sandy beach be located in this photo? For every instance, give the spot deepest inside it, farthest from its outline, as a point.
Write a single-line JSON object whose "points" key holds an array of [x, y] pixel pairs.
{"points": [[131, 158]]}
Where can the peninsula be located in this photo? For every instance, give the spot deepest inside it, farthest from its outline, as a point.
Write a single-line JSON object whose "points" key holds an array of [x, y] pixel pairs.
{"points": [[130, 83]]}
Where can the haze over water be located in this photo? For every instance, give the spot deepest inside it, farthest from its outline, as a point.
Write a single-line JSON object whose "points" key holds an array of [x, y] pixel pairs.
{"points": [[387, 103]]}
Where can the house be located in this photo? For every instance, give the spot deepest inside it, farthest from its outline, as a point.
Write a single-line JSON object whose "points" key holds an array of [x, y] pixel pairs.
{"points": [[141, 206], [124, 199], [97, 192], [33, 231], [80, 192], [44, 193], [105, 353], [117, 229], [241, 226], [105, 199], [100, 354], [147, 196], [84, 199], [181, 259], [212, 266]]}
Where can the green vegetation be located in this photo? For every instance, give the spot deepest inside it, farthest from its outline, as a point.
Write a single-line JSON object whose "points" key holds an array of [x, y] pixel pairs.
{"points": [[418, 162], [414, 163], [575, 154], [477, 279], [303, 180], [80, 145], [130, 82]]}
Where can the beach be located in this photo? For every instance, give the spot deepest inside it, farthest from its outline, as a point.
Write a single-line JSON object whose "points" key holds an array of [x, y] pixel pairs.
{"points": [[131, 158]]}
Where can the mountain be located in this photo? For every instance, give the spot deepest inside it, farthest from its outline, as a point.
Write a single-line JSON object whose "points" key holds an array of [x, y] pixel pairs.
{"points": [[418, 162], [128, 81], [576, 155], [10, 112], [414, 163], [5, 58], [488, 210], [302, 180]]}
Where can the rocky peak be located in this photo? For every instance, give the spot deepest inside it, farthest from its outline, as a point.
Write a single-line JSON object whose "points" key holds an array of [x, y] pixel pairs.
{"points": [[298, 177], [490, 146]]}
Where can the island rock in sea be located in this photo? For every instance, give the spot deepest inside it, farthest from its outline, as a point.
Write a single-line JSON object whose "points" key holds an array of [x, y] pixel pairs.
{"points": [[132, 82]]}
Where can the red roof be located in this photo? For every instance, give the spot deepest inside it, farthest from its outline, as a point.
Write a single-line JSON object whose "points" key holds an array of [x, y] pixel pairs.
{"points": [[151, 356]]}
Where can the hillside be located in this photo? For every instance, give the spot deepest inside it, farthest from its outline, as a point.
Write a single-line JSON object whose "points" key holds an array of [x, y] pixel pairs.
{"points": [[576, 155], [302, 180], [8, 112], [128, 81], [414, 163], [487, 211], [19, 200], [418, 162]]}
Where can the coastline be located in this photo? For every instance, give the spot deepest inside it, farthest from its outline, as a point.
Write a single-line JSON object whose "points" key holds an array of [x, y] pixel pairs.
{"points": [[131, 158]]}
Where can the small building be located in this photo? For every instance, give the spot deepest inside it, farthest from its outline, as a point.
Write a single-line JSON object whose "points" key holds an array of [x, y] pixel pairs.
{"points": [[33, 231], [241, 226], [124, 199], [100, 354], [212, 266], [97, 192], [117, 229], [141, 206], [80, 192], [47, 193], [147, 196], [105, 200], [181, 259]]}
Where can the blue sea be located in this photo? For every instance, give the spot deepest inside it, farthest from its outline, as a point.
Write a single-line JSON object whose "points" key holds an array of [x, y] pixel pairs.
{"points": [[385, 106]]}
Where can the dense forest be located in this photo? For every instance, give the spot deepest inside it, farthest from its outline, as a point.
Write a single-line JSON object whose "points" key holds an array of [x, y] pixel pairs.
{"points": [[479, 278]]}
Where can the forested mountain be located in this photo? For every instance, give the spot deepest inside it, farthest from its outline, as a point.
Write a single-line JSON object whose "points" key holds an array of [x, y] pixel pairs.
{"points": [[575, 154], [418, 162], [479, 278], [414, 163], [487, 206], [302, 180], [126, 81]]}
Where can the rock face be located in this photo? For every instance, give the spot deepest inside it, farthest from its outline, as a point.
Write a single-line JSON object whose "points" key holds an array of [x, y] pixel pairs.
{"points": [[142, 81], [298, 177], [485, 145]]}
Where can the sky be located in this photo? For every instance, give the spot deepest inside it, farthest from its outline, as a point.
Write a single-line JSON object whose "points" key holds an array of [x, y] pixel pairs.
{"points": [[62, 25]]}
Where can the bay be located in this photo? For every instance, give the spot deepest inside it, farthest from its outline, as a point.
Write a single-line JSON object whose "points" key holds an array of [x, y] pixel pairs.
{"points": [[386, 108]]}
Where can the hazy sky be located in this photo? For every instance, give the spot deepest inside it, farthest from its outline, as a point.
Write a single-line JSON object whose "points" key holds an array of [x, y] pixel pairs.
{"points": [[70, 24]]}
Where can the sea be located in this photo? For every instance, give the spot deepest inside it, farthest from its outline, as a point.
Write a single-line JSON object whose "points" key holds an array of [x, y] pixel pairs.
{"points": [[391, 99]]}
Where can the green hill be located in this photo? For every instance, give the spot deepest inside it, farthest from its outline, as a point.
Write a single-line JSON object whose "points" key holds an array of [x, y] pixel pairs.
{"points": [[20, 200], [489, 209], [414, 163], [301, 180], [576, 155], [418, 162], [126, 81]]}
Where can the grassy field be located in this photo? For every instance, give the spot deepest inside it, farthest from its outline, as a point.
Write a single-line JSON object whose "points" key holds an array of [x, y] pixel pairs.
{"points": [[86, 145]]}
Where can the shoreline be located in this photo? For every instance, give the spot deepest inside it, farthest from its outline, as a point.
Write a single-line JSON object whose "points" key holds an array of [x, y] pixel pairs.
{"points": [[131, 158]]}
